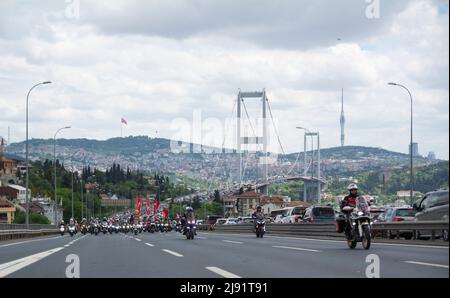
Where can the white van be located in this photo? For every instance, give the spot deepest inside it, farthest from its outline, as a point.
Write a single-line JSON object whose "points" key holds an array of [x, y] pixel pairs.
{"points": [[292, 215]]}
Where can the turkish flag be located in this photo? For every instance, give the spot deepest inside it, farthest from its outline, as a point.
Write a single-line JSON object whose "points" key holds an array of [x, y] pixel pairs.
{"points": [[155, 206], [139, 204], [165, 213]]}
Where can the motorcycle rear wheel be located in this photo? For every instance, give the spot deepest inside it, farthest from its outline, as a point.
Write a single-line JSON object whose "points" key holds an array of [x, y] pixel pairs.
{"points": [[351, 243]]}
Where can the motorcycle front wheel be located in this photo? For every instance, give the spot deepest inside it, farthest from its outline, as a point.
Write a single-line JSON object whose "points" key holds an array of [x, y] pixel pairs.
{"points": [[366, 238]]}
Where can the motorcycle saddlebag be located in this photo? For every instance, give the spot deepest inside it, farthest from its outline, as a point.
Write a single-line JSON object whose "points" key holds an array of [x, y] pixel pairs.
{"points": [[340, 222]]}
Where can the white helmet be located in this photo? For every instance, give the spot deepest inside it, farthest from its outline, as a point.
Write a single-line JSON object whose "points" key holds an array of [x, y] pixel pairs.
{"points": [[352, 186]]}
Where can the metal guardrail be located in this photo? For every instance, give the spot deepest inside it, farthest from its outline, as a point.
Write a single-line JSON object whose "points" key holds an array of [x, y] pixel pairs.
{"points": [[24, 226], [21, 233], [329, 229]]}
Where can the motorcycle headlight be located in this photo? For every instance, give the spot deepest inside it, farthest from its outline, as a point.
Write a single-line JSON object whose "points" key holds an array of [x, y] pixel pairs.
{"points": [[360, 213]]}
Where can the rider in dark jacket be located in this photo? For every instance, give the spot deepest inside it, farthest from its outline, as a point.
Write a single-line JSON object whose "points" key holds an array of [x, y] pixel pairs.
{"points": [[257, 215]]}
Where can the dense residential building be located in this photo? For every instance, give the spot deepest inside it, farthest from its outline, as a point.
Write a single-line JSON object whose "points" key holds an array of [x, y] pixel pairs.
{"points": [[7, 210], [229, 206], [247, 202], [273, 202], [15, 193]]}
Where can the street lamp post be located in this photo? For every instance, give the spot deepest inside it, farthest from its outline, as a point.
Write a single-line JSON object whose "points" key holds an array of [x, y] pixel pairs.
{"points": [[26, 159], [72, 188], [54, 165], [411, 186]]}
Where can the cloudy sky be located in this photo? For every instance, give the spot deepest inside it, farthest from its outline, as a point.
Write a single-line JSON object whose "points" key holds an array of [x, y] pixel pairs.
{"points": [[156, 63]]}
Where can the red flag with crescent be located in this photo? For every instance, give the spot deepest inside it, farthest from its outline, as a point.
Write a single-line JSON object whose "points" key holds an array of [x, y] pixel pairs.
{"points": [[155, 206], [139, 204]]}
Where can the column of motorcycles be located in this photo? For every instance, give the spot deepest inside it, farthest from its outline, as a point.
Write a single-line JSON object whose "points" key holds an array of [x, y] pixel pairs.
{"points": [[96, 227]]}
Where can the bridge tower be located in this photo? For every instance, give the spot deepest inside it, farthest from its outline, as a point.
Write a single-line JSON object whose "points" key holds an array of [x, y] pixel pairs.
{"points": [[242, 141], [312, 190]]}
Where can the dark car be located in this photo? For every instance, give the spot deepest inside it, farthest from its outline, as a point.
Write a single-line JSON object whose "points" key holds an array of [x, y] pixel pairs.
{"points": [[433, 206], [211, 219], [398, 214], [319, 214]]}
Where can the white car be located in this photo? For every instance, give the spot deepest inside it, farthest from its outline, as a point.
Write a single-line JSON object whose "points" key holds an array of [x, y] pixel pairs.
{"points": [[231, 221], [278, 219], [293, 215], [221, 221]]}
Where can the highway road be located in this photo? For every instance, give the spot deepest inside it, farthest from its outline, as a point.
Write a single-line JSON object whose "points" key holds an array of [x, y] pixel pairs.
{"points": [[213, 255]]}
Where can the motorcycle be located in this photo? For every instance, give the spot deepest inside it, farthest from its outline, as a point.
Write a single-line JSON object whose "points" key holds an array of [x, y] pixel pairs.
{"points": [[94, 229], [190, 229], [104, 228], [260, 228], [71, 230], [152, 228], [178, 228], [110, 228], [116, 229], [358, 226], [62, 229], [135, 229], [83, 229], [167, 228]]}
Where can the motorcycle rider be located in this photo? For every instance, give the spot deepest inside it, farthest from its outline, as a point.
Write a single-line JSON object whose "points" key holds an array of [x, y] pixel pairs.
{"points": [[257, 215], [187, 216], [351, 200]]}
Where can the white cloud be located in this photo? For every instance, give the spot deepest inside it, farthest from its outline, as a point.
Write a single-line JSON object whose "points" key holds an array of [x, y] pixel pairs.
{"points": [[182, 57]]}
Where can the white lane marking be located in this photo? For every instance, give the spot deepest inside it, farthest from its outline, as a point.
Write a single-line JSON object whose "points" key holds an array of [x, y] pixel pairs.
{"points": [[229, 241], [201, 237], [222, 272], [149, 244], [343, 241], [67, 245], [137, 239], [21, 242], [296, 248], [427, 264], [13, 266], [173, 253]]}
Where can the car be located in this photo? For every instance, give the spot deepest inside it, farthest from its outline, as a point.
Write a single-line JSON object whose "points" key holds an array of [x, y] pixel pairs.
{"points": [[221, 221], [433, 206], [278, 219], [231, 221], [248, 220], [398, 214], [244, 220], [319, 214], [377, 213], [293, 214], [211, 219]]}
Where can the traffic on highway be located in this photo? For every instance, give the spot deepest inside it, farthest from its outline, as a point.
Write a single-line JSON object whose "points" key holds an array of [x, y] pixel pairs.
{"points": [[195, 141]]}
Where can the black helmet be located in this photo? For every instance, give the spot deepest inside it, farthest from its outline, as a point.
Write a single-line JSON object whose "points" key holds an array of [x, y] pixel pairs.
{"points": [[258, 207]]}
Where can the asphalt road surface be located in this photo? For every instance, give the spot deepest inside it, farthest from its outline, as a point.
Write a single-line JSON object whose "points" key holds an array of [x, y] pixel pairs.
{"points": [[213, 255]]}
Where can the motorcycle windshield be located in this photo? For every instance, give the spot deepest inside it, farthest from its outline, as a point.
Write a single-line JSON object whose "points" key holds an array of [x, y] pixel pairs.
{"points": [[362, 206]]}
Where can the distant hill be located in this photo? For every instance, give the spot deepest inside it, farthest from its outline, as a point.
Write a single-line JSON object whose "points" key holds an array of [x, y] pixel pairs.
{"points": [[144, 144], [358, 152], [114, 145]]}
